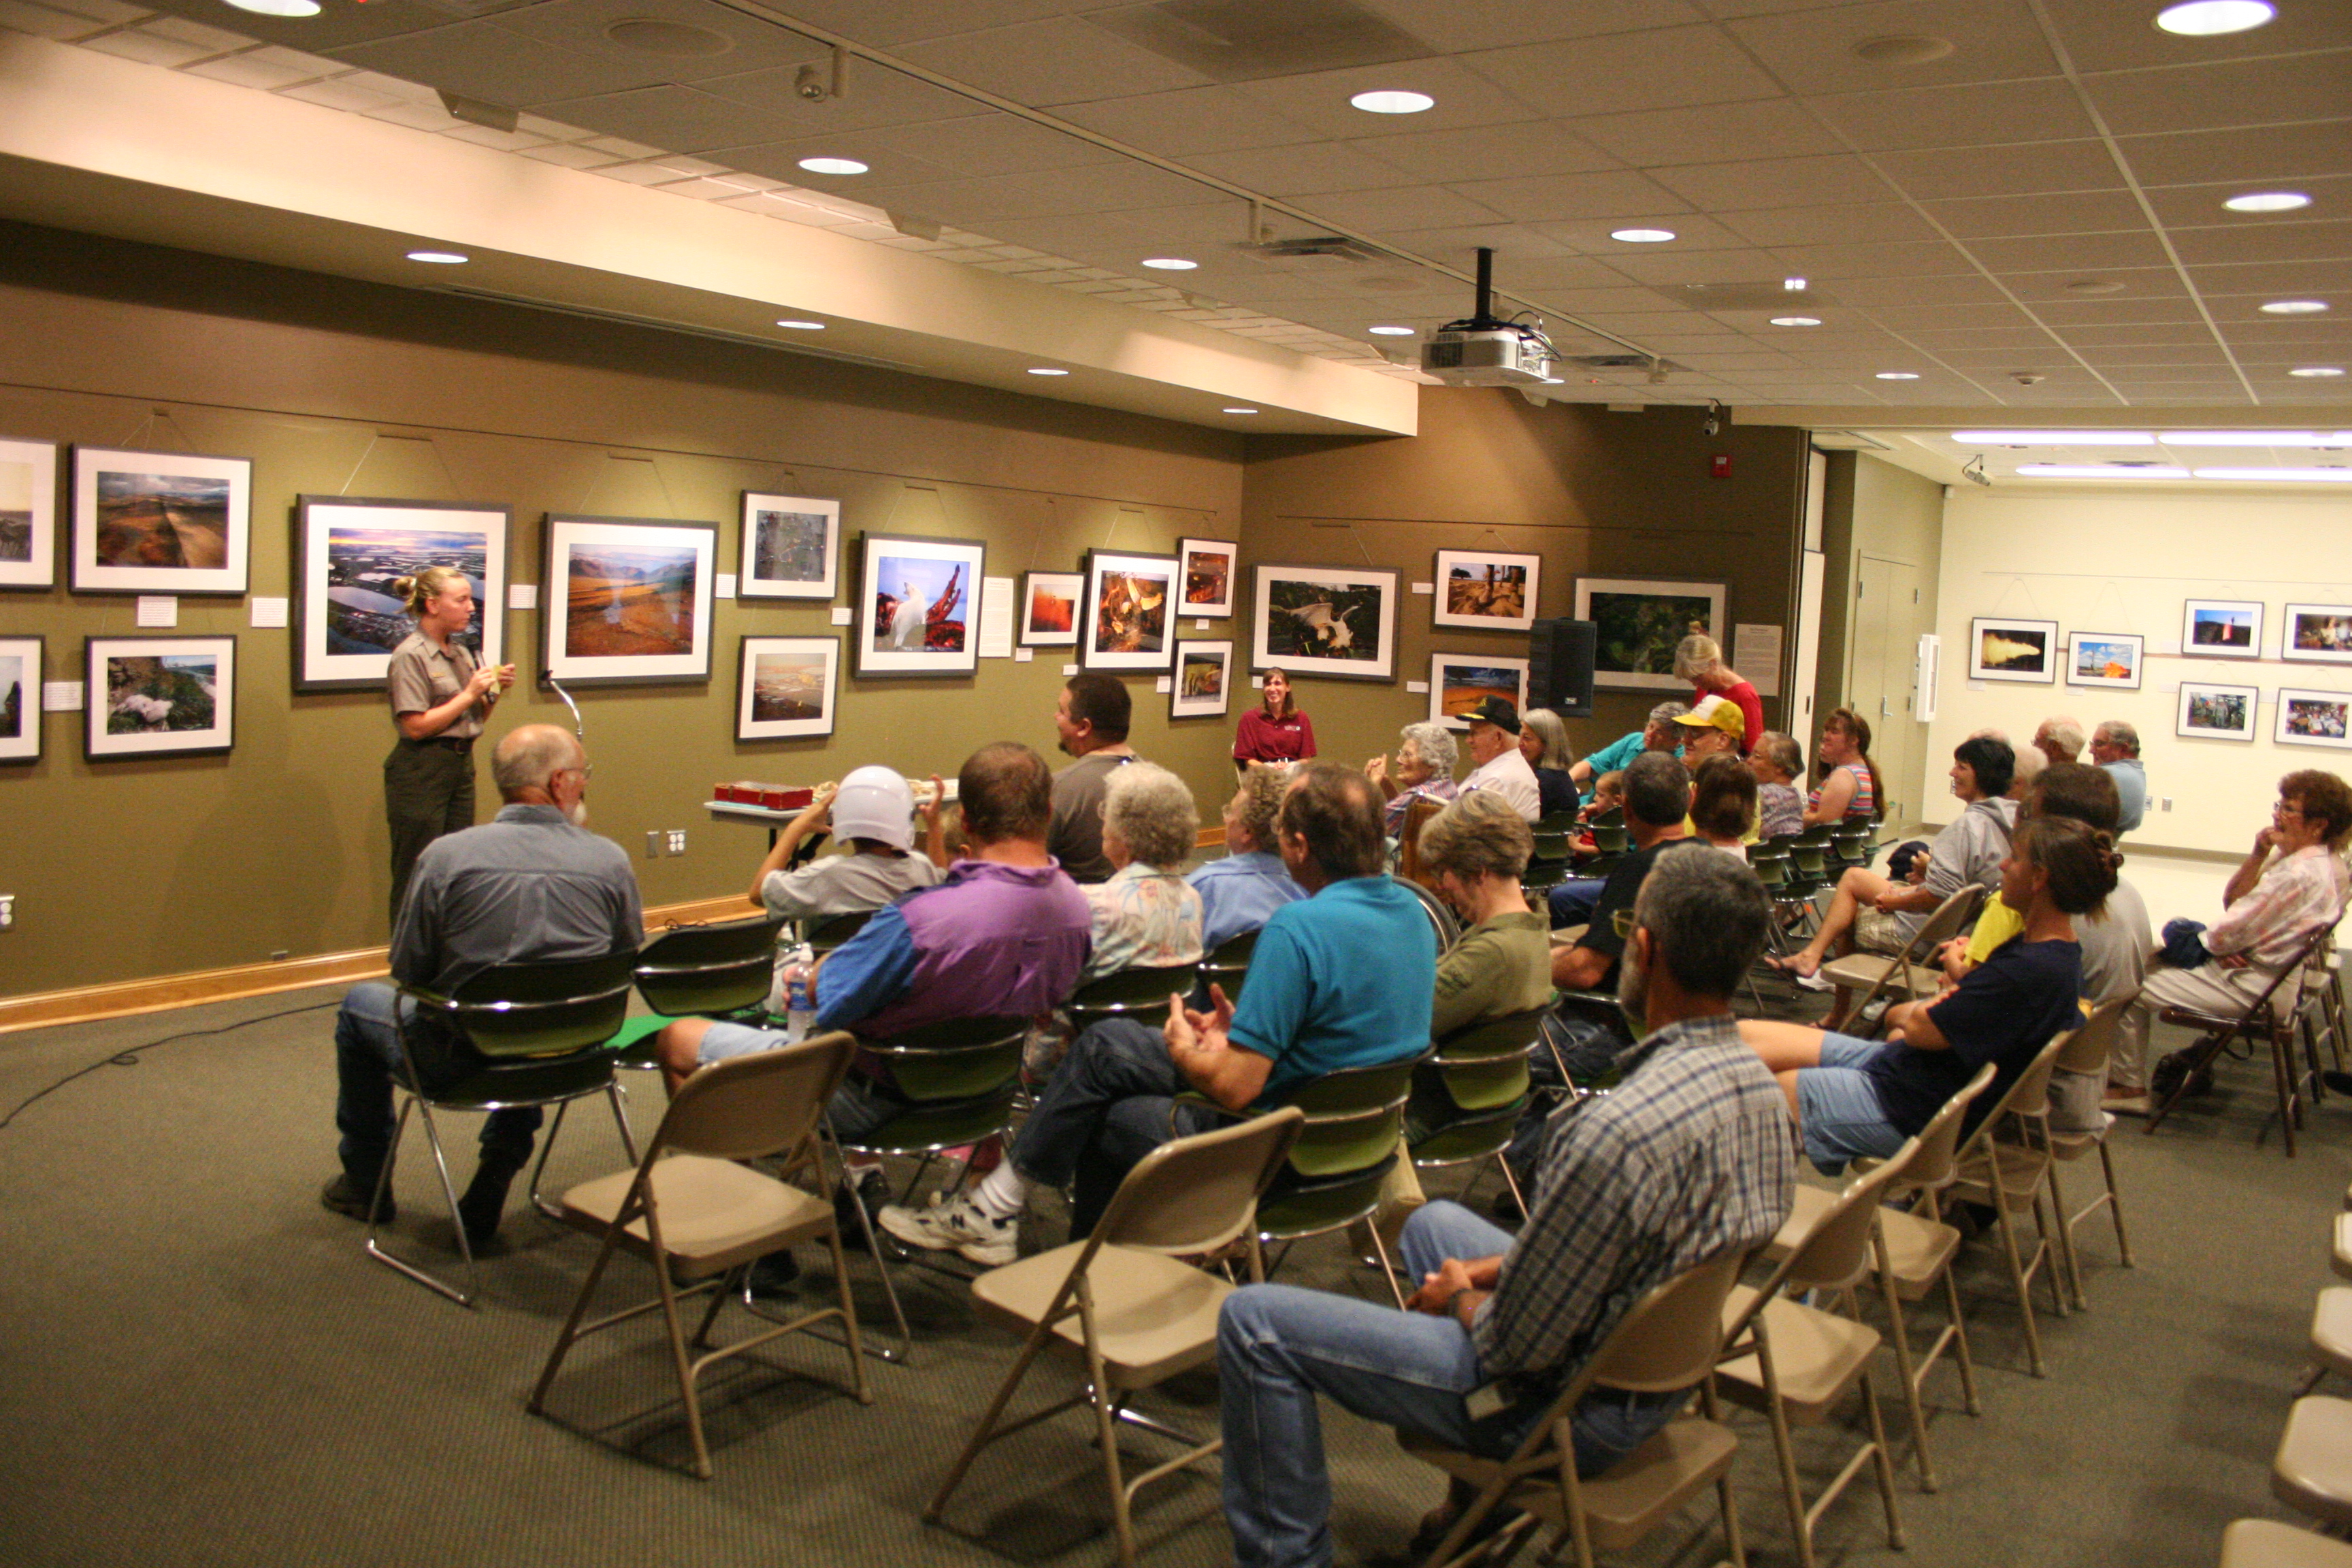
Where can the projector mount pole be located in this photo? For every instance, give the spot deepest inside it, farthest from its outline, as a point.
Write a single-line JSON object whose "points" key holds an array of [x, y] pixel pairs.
{"points": [[1482, 318]]}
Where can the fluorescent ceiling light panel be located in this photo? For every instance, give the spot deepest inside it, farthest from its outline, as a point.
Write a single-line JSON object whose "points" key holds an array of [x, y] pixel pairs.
{"points": [[438, 258], [1169, 263], [832, 166], [1240, 411], [2316, 371], [2321, 475], [1796, 321], [2294, 306], [1642, 236], [1898, 375], [802, 326], [2054, 437], [1045, 370], [1393, 102], [2255, 438], [2268, 202], [2095, 472], [1390, 331], [278, 7], [2207, 18]]}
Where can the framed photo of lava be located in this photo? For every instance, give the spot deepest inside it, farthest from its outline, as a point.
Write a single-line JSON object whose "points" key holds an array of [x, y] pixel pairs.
{"points": [[1334, 621], [627, 601], [2103, 658], [2221, 629], [792, 547], [159, 697], [786, 687], [1202, 686], [28, 514], [2001, 650], [160, 522], [915, 604], [1486, 590], [20, 699], [1049, 608], [1209, 566], [1130, 602], [349, 557]]}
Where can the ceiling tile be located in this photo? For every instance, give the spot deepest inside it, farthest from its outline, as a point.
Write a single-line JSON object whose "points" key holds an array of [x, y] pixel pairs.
{"points": [[2267, 242], [2087, 315], [881, 96], [1097, 188], [884, 23], [2200, 207], [1057, 59], [1316, 166], [890, 169], [2022, 169], [332, 29], [2146, 358], [1655, 266], [679, 119], [2260, 152], [1812, 51], [2074, 254], [1188, 121], [2077, 211], [1774, 183], [1662, 68], [1831, 263], [579, 26], [1457, 27], [478, 59], [2268, 91], [1319, 100], [1983, 115], [1619, 301], [2142, 334], [2273, 279], [2139, 283], [1692, 232], [1771, 128], [1947, 291], [1610, 193], [1847, 224], [994, 143], [1949, 344], [1490, 151], [1410, 206], [1515, 249]]}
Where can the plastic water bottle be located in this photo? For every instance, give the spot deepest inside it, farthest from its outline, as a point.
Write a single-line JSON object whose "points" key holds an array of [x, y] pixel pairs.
{"points": [[800, 996]]}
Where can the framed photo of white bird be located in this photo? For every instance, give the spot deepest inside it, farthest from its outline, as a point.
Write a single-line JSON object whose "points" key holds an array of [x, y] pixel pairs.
{"points": [[1337, 622], [914, 605], [1130, 608]]}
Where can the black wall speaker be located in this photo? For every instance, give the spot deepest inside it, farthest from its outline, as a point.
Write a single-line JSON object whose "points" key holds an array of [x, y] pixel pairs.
{"points": [[1559, 666]]}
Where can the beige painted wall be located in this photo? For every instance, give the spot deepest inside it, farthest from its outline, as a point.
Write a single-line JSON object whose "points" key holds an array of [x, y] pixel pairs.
{"points": [[2125, 563]]}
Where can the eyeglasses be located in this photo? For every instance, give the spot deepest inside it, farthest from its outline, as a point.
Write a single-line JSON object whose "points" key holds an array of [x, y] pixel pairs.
{"points": [[1621, 922], [2286, 807]]}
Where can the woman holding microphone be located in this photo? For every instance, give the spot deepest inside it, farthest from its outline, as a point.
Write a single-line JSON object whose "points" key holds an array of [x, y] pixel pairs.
{"points": [[440, 699]]}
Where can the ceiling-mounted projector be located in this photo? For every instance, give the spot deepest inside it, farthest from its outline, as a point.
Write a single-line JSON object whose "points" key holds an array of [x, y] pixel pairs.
{"points": [[1485, 351]]}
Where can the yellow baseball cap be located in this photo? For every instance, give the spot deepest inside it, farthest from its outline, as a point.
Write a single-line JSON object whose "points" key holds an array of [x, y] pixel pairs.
{"points": [[1716, 711]]}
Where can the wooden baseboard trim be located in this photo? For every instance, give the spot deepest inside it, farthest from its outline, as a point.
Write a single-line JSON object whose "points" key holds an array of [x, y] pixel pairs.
{"points": [[123, 998]]}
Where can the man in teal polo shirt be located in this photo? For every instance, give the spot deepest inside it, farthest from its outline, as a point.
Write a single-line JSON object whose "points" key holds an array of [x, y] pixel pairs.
{"points": [[1657, 735]]}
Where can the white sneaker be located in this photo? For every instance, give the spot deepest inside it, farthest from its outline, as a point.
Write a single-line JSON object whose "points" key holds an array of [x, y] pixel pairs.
{"points": [[1815, 983], [955, 1224]]}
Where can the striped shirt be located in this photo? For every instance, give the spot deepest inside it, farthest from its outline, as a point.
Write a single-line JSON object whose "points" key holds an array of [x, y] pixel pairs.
{"points": [[1865, 797]]}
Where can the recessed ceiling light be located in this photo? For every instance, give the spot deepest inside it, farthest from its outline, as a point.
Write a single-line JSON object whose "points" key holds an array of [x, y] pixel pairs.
{"points": [[2054, 437], [1239, 410], [2205, 18], [278, 7], [2316, 371], [1796, 321], [1045, 370], [2255, 438], [1898, 375], [2268, 202], [1169, 263], [1390, 331], [802, 326], [1794, 285], [2317, 475], [1393, 102], [2096, 471], [1642, 236], [832, 166], [438, 258], [1904, 50], [2094, 286], [2294, 306]]}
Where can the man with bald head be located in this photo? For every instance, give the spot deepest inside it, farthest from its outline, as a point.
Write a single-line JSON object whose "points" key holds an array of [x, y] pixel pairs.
{"points": [[530, 883]]}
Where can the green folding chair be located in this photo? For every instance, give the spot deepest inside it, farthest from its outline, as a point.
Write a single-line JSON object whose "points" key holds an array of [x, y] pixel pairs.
{"points": [[1467, 1099]]}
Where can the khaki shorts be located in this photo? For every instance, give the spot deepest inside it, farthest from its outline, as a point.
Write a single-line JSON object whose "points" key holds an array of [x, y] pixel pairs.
{"points": [[1877, 931]]}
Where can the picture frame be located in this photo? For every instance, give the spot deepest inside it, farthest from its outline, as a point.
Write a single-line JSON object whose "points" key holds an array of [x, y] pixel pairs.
{"points": [[937, 583], [2105, 658], [2001, 649], [2317, 634], [1640, 622], [348, 552], [1485, 590], [158, 697], [22, 662], [28, 513], [1129, 611], [1049, 608], [1201, 683], [1209, 568], [2221, 629], [791, 547], [2313, 719], [2216, 712], [160, 523], [634, 607], [1328, 622], [786, 687], [1460, 681]]}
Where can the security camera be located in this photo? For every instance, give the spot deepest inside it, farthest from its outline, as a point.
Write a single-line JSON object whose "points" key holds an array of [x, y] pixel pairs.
{"points": [[2028, 377], [809, 83], [1714, 425]]}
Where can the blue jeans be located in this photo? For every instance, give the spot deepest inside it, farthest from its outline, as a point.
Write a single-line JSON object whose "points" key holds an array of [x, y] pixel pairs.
{"points": [[1112, 1100], [1573, 900], [1278, 1347], [367, 1056]]}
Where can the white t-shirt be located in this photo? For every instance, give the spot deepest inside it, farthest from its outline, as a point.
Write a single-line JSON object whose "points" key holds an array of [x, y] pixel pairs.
{"points": [[845, 884], [1509, 776]]}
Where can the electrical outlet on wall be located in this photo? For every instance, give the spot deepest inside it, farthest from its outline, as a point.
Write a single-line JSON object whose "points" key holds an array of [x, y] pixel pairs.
{"points": [[7, 910], [653, 844], [2168, 803], [677, 840]]}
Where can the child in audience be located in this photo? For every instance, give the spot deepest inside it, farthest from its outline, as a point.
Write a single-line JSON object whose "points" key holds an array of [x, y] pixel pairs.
{"points": [[1608, 794], [872, 811]]}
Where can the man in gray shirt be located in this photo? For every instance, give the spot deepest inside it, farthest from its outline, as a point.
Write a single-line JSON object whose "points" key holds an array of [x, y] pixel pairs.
{"points": [[1091, 718], [2115, 746], [531, 883]]}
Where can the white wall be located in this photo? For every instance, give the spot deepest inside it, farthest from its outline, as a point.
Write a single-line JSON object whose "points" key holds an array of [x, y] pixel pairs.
{"points": [[2125, 562]]}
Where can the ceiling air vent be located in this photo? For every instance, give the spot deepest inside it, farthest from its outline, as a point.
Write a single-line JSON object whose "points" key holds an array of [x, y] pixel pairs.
{"points": [[1248, 40], [1318, 254], [1615, 362]]}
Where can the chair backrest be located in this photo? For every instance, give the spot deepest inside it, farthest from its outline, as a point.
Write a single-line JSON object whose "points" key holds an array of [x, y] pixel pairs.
{"points": [[1612, 817], [2028, 1097], [1669, 1338], [1556, 822], [1937, 1149], [543, 1007], [1609, 837], [762, 1103], [1441, 919], [1234, 952], [1771, 868], [1511, 1034], [1836, 1251], [1416, 818], [957, 1058], [1550, 843], [1945, 924], [826, 934], [1195, 1195], [1142, 988], [718, 968], [1351, 1090], [2088, 1047]]}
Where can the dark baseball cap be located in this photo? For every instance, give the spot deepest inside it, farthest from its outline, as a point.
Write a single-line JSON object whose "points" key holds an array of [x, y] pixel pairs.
{"points": [[1497, 711]]}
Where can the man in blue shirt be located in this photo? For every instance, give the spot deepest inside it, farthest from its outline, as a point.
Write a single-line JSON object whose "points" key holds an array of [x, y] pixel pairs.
{"points": [[1241, 892], [2115, 746], [1341, 978], [1658, 734]]}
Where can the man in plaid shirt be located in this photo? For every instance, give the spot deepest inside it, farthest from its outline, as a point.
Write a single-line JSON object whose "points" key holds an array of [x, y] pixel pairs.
{"points": [[1691, 1157]]}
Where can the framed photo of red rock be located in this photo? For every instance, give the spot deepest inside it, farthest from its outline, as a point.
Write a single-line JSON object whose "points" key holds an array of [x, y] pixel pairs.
{"points": [[160, 522], [628, 600], [1129, 601], [916, 603]]}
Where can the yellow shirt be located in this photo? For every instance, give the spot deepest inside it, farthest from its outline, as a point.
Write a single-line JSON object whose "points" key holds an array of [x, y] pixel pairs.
{"points": [[1753, 835], [1996, 925]]}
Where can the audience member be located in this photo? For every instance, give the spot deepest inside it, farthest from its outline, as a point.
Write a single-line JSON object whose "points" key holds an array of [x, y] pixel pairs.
{"points": [[1852, 1098], [1091, 716], [1241, 890], [1723, 804], [1495, 748], [1851, 788], [531, 883], [1657, 733], [1776, 761], [1424, 769], [1543, 741], [1688, 1161], [2059, 739], [871, 811], [2028, 764], [1342, 978], [1275, 732], [1698, 659], [1147, 915], [1472, 854], [2115, 746], [1714, 729], [1577, 898]]}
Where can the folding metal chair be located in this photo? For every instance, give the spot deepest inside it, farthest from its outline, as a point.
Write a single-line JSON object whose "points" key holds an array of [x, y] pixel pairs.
{"points": [[2087, 1052], [2011, 1178], [2267, 1021]]}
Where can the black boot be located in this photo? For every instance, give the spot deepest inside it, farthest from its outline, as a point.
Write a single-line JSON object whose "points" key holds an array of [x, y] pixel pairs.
{"points": [[485, 1202]]}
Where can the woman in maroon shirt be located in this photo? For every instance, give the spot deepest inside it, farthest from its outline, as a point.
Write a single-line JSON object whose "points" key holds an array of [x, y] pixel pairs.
{"points": [[1275, 732]]}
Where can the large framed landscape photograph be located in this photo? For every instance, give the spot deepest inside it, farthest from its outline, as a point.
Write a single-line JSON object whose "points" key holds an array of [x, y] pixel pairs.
{"points": [[2216, 712], [20, 699], [28, 514], [628, 600], [1049, 608], [2221, 629], [1337, 622], [2003, 649], [786, 687], [2318, 634], [1128, 600], [160, 522], [1458, 682], [159, 697], [1486, 590], [2313, 719], [792, 547], [1640, 622], [915, 601], [1209, 566], [349, 555], [2103, 658]]}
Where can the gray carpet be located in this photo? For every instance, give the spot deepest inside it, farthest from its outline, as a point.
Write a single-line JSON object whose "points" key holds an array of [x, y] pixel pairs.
{"points": [[200, 1366]]}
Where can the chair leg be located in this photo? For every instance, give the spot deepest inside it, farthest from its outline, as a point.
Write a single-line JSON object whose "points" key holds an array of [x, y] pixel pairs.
{"points": [[2073, 1264], [848, 1318], [679, 1357], [1899, 1335], [571, 1333], [2290, 1098], [1883, 1462], [473, 1291], [2200, 1055], [1388, 1269], [2017, 1276], [1962, 1354], [1792, 1496], [1734, 1546], [1107, 1434], [2115, 1203], [986, 1432]]}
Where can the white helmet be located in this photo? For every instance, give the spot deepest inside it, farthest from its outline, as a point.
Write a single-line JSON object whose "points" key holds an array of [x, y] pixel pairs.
{"points": [[875, 803]]}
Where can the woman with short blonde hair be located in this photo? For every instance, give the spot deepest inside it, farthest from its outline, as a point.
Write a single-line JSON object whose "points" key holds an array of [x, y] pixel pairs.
{"points": [[1698, 659]]}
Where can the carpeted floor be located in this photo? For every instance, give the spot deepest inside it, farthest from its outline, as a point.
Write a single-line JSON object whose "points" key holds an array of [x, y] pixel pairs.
{"points": [[199, 1366]]}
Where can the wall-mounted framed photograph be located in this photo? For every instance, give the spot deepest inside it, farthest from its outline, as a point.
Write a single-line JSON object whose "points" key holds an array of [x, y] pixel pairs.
{"points": [[1049, 608], [2313, 719], [1129, 599], [20, 699], [786, 687], [2315, 633], [28, 513], [2103, 658], [1202, 685], [158, 697], [1641, 622], [160, 522], [915, 603], [628, 600], [1487, 590], [792, 547], [2216, 712], [350, 554], [2221, 629], [1460, 681], [1337, 622], [2003, 649], [1209, 567]]}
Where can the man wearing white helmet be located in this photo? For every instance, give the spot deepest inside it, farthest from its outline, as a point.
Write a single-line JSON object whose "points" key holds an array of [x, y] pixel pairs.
{"points": [[872, 812]]}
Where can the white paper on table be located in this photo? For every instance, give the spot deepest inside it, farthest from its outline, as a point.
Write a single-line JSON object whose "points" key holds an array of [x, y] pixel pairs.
{"points": [[522, 595], [722, 584], [270, 612], [1023, 655], [996, 597], [61, 696], [841, 614], [159, 610], [1755, 654]]}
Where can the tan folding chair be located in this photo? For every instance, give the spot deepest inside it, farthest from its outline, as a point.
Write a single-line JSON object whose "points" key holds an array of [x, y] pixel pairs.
{"points": [[695, 1212], [2331, 1336], [2011, 1178], [1911, 972], [2086, 1052], [2268, 1020], [1667, 1341], [2267, 1544], [1126, 1300], [2312, 1471], [1797, 1362]]}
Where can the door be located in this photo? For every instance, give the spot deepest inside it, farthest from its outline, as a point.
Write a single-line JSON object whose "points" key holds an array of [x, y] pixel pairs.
{"points": [[1886, 626]]}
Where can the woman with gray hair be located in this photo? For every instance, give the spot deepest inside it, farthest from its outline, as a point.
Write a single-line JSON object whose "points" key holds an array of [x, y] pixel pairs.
{"points": [[1659, 732], [1424, 769], [1146, 914], [1543, 741], [1698, 659], [1474, 853]]}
